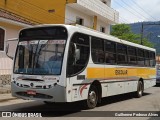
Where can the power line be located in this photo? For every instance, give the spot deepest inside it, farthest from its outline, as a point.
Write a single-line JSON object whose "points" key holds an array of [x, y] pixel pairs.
{"points": [[124, 20], [134, 10], [144, 10], [127, 9]]}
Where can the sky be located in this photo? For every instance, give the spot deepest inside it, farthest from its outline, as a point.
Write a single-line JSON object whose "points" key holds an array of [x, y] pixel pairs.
{"points": [[131, 11]]}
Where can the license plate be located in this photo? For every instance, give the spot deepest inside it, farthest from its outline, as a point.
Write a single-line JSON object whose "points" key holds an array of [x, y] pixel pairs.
{"points": [[30, 92]]}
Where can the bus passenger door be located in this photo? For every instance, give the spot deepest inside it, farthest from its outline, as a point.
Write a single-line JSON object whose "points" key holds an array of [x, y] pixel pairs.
{"points": [[78, 57]]}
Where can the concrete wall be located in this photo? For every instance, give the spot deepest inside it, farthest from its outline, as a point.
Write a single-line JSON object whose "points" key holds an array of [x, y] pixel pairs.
{"points": [[5, 84], [105, 25], [11, 31], [72, 13]]}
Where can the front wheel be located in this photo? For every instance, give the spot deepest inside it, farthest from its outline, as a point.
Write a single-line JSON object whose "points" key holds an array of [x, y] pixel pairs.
{"points": [[140, 89], [92, 99]]}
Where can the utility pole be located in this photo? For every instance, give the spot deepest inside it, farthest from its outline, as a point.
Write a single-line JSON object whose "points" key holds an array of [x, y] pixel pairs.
{"points": [[142, 34]]}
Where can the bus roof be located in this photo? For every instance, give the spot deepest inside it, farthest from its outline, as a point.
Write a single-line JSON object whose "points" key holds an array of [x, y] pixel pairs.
{"points": [[89, 31]]}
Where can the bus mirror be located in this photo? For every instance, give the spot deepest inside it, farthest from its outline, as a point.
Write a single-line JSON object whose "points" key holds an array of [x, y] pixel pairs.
{"points": [[10, 47], [77, 54], [6, 50]]}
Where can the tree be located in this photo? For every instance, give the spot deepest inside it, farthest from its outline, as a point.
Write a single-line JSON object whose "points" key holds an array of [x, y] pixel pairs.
{"points": [[123, 31]]}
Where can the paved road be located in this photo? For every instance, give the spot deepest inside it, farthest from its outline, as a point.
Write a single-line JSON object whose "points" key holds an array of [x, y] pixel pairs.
{"points": [[149, 102]]}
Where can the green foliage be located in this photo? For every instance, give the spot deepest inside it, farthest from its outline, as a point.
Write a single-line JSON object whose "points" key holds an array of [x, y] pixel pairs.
{"points": [[123, 31]]}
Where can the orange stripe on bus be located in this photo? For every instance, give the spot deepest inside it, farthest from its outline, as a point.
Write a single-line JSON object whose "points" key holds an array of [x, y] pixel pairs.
{"points": [[110, 72]]}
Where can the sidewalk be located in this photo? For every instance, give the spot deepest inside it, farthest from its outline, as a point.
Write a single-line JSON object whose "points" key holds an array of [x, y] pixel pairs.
{"points": [[5, 93], [5, 89], [6, 97]]}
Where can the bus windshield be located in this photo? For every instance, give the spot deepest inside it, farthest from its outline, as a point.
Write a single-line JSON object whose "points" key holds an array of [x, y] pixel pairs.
{"points": [[40, 55]]}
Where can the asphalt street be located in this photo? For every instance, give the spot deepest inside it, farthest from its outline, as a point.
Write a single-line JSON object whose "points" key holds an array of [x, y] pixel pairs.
{"points": [[111, 107]]}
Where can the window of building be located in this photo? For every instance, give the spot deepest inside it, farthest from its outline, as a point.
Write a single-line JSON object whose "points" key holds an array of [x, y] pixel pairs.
{"points": [[79, 21], [102, 29], [105, 2], [2, 32]]}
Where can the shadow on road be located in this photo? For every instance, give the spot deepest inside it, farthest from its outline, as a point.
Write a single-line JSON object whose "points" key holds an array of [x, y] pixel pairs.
{"points": [[157, 85], [63, 109], [119, 98]]}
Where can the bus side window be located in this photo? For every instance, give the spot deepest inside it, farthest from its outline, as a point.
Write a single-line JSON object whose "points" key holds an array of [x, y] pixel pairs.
{"points": [[152, 59], [122, 54], [78, 55], [98, 56], [110, 52], [71, 53]]}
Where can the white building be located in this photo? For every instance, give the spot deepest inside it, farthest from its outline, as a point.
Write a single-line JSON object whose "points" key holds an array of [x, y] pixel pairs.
{"points": [[95, 14]]}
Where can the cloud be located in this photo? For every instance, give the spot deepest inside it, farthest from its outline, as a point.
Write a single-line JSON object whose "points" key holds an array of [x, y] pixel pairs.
{"points": [[131, 11]]}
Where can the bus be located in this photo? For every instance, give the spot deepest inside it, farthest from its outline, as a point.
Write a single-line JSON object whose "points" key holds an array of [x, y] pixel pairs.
{"points": [[65, 63]]}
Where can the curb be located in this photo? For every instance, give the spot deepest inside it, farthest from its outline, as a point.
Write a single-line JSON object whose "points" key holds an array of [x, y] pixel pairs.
{"points": [[5, 89], [7, 99]]}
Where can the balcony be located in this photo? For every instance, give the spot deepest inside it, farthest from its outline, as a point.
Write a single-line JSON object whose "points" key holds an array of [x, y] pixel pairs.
{"points": [[96, 8]]}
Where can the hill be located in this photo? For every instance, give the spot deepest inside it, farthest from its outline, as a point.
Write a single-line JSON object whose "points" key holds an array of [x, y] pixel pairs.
{"points": [[152, 32]]}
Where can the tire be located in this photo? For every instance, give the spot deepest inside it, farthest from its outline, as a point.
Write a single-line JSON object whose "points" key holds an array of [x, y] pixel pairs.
{"points": [[92, 99], [140, 89]]}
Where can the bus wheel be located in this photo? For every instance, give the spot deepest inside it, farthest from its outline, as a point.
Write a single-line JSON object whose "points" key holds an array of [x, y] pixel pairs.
{"points": [[139, 92], [92, 97]]}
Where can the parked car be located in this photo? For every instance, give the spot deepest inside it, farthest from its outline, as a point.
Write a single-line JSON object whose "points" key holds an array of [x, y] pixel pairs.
{"points": [[158, 77]]}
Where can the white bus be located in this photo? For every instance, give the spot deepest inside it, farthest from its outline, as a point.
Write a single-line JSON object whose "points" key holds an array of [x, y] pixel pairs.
{"points": [[64, 63]]}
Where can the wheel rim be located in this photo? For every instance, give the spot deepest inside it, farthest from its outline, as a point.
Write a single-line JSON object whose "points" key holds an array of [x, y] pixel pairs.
{"points": [[92, 99]]}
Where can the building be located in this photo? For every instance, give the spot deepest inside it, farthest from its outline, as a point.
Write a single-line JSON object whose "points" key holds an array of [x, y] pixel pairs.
{"points": [[96, 14], [17, 14], [10, 25]]}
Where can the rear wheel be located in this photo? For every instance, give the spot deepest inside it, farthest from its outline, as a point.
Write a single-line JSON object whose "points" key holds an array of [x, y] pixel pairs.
{"points": [[92, 99], [140, 89]]}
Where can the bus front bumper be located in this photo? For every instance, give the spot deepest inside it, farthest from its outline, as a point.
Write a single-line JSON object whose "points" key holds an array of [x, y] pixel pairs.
{"points": [[54, 94]]}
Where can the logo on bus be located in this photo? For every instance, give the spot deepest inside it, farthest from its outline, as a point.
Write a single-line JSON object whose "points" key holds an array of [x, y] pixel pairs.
{"points": [[121, 72]]}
